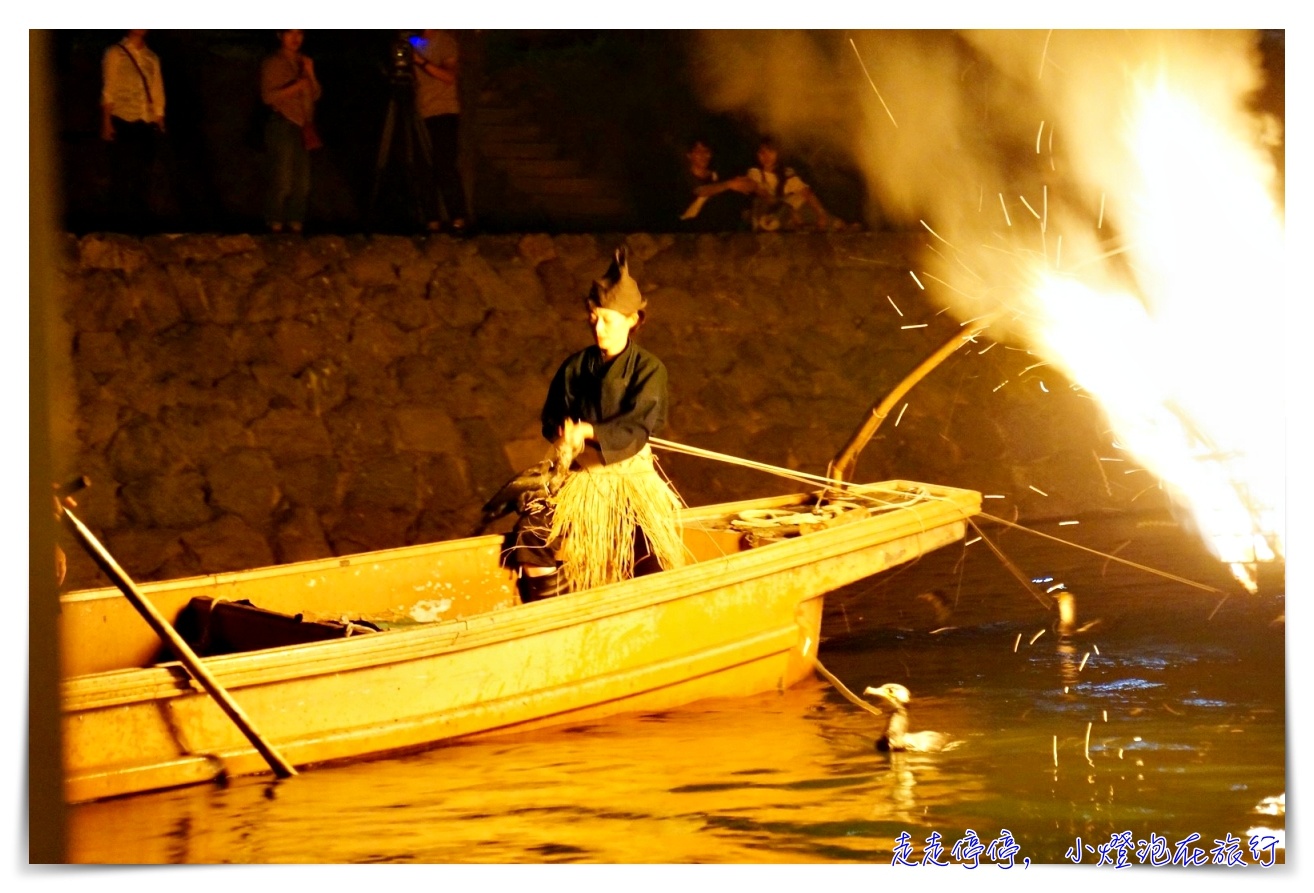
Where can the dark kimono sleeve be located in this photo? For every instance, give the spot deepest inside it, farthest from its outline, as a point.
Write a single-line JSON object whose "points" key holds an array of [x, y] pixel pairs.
{"points": [[556, 406], [642, 410]]}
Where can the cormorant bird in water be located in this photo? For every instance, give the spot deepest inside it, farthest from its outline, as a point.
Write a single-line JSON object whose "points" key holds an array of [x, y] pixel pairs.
{"points": [[897, 736]]}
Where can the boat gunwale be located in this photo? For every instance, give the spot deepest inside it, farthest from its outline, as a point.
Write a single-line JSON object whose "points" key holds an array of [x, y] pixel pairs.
{"points": [[337, 563], [332, 564]]}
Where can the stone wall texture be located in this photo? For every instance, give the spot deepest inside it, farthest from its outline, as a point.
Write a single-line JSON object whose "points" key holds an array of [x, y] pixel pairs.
{"points": [[240, 400]]}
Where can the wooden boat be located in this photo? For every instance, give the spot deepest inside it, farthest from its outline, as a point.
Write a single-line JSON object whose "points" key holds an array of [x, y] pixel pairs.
{"points": [[456, 655], [402, 649]]}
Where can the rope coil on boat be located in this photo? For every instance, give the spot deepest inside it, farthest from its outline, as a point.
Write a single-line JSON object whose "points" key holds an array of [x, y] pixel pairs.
{"points": [[768, 525]]}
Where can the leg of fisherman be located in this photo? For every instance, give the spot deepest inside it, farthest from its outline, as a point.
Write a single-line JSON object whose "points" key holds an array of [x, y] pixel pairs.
{"points": [[540, 575]]}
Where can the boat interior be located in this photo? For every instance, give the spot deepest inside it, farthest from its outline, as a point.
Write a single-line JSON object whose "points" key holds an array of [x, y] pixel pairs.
{"points": [[374, 592]]}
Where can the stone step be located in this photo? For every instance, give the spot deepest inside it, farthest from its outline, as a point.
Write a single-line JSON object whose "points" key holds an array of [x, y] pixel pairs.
{"points": [[509, 133], [555, 186], [542, 167], [501, 114], [508, 151], [585, 207], [538, 186]]}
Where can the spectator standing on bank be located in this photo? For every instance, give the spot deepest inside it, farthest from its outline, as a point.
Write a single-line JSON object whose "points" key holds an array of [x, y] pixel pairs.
{"points": [[132, 119], [289, 87], [437, 72]]}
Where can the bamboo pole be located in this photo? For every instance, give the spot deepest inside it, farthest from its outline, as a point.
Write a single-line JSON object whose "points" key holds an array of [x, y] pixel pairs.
{"points": [[281, 767], [842, 466]]}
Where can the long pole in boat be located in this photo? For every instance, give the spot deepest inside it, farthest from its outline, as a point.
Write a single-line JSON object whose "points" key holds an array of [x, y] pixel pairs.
{"points": [[282, 768], [841, 467]]}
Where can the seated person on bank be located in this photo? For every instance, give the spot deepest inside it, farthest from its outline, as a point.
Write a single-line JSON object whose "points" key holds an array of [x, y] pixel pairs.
{"points": [[781, 200], [711, 204]]}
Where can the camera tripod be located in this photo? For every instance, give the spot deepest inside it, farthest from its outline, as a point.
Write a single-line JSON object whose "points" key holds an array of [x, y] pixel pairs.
{"points": [[403, 125]]}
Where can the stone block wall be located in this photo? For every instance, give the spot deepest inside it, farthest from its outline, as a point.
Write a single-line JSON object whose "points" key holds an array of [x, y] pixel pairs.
{"points": [[244, 400]]}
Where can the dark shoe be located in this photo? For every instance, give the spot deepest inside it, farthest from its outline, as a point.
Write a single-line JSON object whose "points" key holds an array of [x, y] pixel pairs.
{"points": [[533, 589], [646, 564]]}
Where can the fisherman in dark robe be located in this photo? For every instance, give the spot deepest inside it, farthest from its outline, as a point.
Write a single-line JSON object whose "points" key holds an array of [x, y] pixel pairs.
{"points": [[604, 512]]}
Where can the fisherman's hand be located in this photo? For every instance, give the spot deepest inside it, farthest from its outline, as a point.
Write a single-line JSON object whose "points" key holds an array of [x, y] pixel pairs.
{"points": [[575, 433]]}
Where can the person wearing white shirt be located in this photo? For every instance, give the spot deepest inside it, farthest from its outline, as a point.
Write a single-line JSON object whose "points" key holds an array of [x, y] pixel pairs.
{"points": [[132, 119], [782, 200]]}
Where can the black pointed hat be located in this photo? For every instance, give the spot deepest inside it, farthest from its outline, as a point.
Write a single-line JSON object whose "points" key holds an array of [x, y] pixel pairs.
{"points": [[617, 290]]}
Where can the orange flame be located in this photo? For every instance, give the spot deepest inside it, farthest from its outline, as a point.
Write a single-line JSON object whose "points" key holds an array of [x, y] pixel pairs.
{"points": [[1186, 361], [1145, 259]]}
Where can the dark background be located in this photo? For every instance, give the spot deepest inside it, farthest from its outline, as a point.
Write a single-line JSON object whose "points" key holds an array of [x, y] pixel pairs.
{"points": [[621, 102]]}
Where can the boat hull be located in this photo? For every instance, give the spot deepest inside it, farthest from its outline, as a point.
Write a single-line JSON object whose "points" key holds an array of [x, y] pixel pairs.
{"points": [[731, 624]]}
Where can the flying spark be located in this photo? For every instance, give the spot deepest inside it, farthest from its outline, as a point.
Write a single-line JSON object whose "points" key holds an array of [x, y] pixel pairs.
{"points": [[873, 83]]}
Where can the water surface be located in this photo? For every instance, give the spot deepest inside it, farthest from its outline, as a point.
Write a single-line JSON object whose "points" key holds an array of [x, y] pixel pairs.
{"points": [[1163, 718]]}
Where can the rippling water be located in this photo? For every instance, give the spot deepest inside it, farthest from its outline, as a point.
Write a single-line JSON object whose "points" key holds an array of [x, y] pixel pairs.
{"points": [[1165, 717]]}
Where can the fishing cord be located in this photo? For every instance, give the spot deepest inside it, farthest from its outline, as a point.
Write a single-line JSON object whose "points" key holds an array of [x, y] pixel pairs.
{"points": [[800, 476], [1009, 566], [857, 491], [1105, 555], [843, 689]]}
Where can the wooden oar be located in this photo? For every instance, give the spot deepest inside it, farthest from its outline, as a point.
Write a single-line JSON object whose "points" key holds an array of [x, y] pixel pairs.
{"points": [[842, 466], [282, 768]]}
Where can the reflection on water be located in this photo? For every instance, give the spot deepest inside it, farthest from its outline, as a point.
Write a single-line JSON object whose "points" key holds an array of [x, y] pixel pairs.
{"points": [[1163, 715]]}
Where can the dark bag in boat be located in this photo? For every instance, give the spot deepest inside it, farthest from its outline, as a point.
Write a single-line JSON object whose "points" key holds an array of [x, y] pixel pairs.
{"points": [[215, 626]]}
